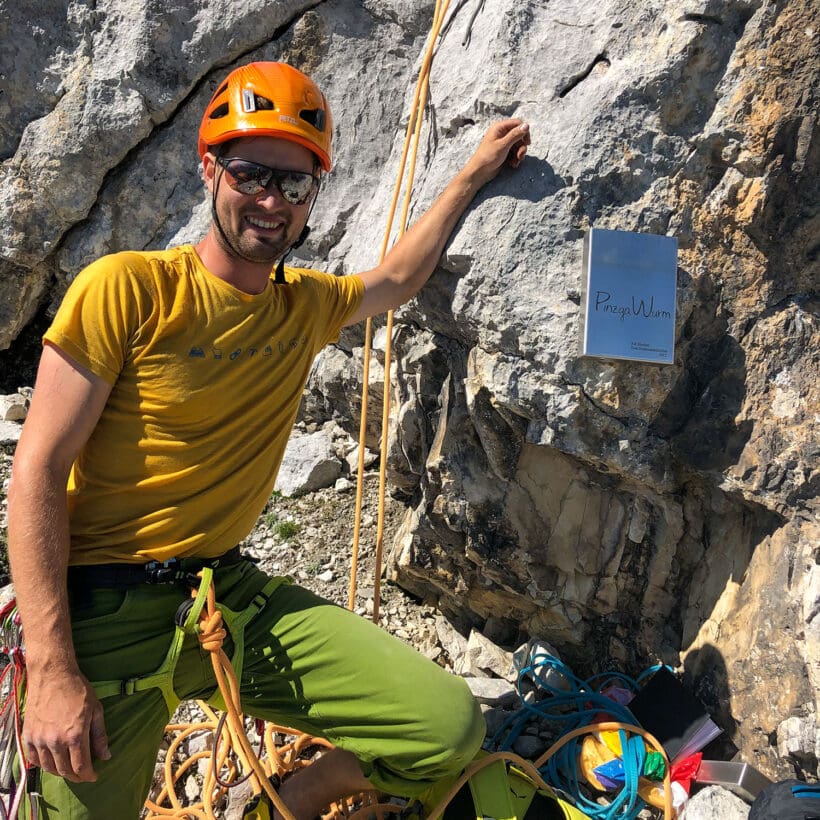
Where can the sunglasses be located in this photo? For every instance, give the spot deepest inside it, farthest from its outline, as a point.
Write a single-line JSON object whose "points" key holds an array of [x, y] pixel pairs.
{"points": [[251, 179]]}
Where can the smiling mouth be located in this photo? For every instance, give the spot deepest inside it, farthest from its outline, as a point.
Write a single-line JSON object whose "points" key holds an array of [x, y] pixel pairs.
{"points": [[265, 224]]}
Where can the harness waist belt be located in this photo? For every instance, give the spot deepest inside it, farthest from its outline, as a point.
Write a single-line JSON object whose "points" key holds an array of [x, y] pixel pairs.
{"points": [[172, 571]]}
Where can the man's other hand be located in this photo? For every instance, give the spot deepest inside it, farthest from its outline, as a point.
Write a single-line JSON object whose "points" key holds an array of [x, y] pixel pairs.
{"points": [[63, 726]]}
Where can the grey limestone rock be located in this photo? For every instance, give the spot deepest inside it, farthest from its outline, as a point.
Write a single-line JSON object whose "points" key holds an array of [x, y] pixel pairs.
{"points": [[309, 463], [713, 802]]}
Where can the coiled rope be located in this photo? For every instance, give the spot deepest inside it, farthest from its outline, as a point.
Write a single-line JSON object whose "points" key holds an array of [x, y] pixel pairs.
{"points": [[577, 706], [231, 758], [231, 742]]}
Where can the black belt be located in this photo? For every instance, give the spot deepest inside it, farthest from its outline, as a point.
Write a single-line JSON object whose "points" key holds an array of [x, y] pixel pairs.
{"points": [[172, 571]]}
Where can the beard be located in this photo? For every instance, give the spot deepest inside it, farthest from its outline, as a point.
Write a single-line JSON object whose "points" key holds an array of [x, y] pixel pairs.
{"points": [[239, 239]]}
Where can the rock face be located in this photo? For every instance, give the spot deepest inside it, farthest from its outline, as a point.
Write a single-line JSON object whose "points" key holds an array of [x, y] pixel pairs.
{"points": [[623, 511]]}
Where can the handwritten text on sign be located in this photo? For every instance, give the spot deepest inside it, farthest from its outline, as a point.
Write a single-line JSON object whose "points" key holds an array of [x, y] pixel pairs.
{"points": [[630, 291], [639, 308]]}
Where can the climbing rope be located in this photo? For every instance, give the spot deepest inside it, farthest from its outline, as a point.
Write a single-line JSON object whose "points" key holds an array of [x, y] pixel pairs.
{"points": [[231, 759], [412, 135], [579, 707]]}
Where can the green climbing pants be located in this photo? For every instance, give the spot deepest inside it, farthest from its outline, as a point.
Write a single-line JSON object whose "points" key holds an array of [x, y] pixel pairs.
{"points": [[307, 664]]}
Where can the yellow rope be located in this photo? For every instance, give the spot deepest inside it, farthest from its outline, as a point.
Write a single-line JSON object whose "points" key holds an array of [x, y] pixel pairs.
{"points": [[414, 124]]}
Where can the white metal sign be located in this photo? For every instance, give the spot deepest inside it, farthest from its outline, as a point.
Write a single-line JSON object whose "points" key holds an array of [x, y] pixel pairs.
{"points": [[629, 296]]}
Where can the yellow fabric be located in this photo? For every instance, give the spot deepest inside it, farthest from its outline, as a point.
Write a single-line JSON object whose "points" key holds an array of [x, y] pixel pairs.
{"points": [[207, 382]]}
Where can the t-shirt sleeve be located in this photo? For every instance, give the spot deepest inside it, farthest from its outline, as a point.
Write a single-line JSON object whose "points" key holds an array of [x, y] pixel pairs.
{"points": [[337, 299], [98, 317]]}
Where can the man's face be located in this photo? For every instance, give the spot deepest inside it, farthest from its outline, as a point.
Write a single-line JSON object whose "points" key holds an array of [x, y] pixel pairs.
{"points": [[263, 226]]}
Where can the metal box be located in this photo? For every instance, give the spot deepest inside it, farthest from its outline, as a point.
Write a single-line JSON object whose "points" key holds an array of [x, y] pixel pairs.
{"points": [[629, 296], [736, 776]]}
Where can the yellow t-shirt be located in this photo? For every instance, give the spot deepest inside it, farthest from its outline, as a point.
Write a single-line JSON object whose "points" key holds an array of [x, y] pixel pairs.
{"points": [[207, 382]]}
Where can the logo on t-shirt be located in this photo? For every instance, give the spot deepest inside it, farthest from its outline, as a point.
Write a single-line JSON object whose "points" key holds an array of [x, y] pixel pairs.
{"points": [[217, 353]]}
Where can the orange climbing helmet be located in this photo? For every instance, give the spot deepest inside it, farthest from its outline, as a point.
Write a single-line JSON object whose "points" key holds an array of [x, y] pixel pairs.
{"points": [[269, 100]]}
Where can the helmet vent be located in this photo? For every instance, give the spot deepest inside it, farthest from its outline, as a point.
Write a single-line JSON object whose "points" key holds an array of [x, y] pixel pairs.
{"points": [[314, 116], [220, 111]]}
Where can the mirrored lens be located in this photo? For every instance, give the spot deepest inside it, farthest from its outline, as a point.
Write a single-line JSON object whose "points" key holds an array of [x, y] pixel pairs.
{"points": [[295, 186], [252, 179]]}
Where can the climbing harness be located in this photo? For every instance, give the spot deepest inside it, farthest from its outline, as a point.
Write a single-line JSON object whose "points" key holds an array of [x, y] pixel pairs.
{"points": [[121, 576], [231, 759], [186, 622]]}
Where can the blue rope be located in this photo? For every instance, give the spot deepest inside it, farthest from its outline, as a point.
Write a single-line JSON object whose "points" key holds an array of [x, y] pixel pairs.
{"points": [[580, 705]]}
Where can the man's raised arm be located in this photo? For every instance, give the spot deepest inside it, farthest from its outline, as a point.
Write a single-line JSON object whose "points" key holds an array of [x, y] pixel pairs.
{"points": [[63, 720], [413, 258]]}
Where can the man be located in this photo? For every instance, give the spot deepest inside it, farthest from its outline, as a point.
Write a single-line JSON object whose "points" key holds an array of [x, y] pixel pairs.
{"points": [[167, 388]]}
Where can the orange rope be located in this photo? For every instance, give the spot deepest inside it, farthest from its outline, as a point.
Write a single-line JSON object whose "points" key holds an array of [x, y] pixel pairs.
{"points": [[413, 132], [232, 758], [211, 636]]}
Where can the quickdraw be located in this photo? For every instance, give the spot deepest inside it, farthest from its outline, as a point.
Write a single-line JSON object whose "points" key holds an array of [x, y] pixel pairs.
{"points": [[17, 782]]}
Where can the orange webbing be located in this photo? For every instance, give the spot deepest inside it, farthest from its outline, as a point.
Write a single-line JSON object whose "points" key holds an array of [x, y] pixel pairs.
{"points": [[414, 124]]}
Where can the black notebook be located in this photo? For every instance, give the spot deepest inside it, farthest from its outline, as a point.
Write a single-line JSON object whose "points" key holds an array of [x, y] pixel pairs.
{"points": [[666, 709]]}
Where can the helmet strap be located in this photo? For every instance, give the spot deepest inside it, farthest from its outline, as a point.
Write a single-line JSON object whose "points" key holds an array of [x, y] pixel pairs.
{"points": [[279, 275], [215, 216]]}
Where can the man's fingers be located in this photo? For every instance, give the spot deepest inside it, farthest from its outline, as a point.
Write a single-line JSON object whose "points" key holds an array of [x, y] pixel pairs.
{"points": [[42, 759], [503, 128], [70, 765], [63, 724], [32, 756], [78, 765], [520, 140], [72, 761], [99, 738]]}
